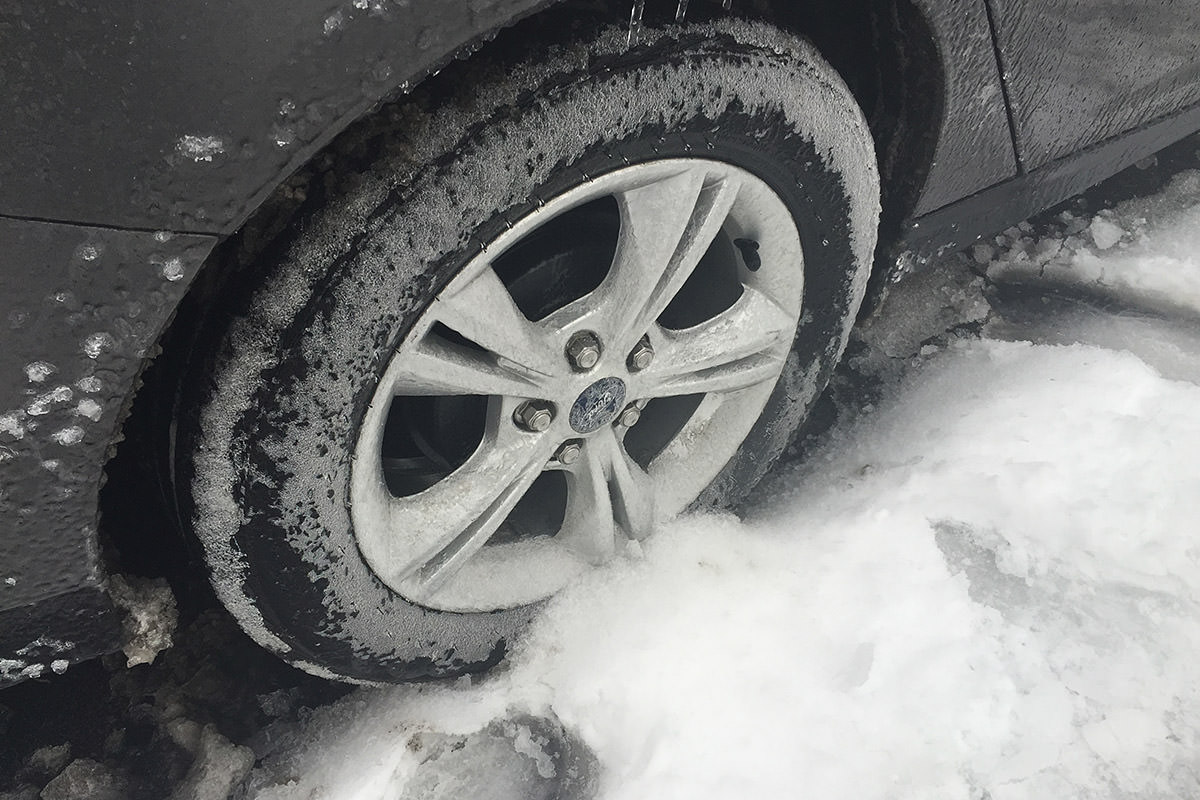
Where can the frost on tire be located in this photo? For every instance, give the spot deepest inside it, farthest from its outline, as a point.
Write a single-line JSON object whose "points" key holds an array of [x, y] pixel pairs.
{"points": [[281, 402]]}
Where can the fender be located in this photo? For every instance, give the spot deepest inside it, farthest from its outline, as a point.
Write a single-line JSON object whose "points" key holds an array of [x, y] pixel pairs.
{"points": [[185, 116]]}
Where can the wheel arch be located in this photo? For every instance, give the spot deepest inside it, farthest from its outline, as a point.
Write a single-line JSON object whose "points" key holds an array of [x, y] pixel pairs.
{"points": [[891, 54]]}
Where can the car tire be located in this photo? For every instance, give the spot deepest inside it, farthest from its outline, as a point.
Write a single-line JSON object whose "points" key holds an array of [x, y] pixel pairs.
{"points": [[378, 455]]}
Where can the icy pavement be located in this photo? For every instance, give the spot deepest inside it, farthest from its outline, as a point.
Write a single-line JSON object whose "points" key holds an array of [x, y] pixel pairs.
{"points": [[982, 583]]}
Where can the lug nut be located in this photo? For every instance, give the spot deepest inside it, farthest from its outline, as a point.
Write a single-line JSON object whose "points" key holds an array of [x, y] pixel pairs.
{"points": [[641, 355], [569, 452], [583, 351], [534, 417], [630, 416]]}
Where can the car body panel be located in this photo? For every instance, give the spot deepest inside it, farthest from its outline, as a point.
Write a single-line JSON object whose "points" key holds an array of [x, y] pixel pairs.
{"points": [[82, 310], [974, 146], [967, 220], [1083, 71], [45, 638]]}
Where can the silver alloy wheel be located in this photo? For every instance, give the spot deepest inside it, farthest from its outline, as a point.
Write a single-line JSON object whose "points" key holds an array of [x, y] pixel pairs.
{"points": [[434, 547]]}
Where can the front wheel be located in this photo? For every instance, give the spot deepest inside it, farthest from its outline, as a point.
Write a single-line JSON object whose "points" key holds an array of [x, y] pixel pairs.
{"points": [[553, 312]]}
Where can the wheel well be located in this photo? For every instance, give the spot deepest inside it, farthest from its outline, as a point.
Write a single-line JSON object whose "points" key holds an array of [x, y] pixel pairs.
{"points": [[887, 54], [883, 49]]}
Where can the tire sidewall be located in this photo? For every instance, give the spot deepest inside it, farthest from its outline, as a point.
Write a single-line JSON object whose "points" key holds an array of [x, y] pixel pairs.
{"points": [[272, 471]]}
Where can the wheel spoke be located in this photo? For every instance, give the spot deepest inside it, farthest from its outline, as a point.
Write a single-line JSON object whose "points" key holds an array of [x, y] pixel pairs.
{"points": [[438, 367], [632, 493], [666, 227], [739, 348], [483, 311], [448, 522], [588, 527], [607, 494]]}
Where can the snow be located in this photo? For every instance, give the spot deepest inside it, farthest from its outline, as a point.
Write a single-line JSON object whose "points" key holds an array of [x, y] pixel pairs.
{"points": [[71, 435], [200, 147], [90, 384], [42, 403], [172, 269], [977, 599], [985, 586], [97, 343], [1145, 251], [38, 371], [89, 408]]}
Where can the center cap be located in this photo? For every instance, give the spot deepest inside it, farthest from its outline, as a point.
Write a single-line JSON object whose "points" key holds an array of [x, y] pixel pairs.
{"points": [[598, 405]]}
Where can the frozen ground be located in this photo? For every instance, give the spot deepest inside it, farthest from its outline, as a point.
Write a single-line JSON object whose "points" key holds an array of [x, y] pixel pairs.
{"points": [[983, 583]]}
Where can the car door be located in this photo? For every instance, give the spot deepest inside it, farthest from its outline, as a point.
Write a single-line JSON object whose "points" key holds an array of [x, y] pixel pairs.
{"points": [[1080, 71]]}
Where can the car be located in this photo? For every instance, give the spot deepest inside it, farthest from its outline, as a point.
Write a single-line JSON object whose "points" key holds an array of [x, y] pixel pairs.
{"points": [[399, 316]]}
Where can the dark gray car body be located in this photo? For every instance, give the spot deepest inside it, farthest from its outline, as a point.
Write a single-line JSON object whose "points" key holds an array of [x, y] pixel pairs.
{"points": [[136, 137]]}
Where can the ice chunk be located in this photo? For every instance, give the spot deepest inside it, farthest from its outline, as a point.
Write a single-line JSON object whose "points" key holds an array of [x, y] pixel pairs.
{"points": [[1105, 232], [150, 616], [511, 759], [218, 766], [52, 759], [85, 779]]}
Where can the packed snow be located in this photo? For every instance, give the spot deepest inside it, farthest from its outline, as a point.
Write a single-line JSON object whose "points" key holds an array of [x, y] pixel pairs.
{"points": [[984, 585]]}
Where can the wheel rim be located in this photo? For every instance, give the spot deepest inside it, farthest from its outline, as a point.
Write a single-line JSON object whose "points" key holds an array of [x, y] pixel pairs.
{"points": [[566, 434]]}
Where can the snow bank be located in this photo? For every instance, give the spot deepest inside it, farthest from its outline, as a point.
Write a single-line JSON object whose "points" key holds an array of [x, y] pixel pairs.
{"points": [[990, 585]]}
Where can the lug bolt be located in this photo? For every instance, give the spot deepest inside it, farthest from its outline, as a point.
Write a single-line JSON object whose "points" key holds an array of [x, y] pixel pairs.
{"points": [[630, 416], [583, 351], [641, 355], [533, 416], [569, 452]]}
